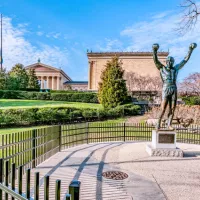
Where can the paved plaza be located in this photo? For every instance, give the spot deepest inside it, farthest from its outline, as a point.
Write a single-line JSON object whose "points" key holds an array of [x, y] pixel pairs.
{"points": [[149, 178]]}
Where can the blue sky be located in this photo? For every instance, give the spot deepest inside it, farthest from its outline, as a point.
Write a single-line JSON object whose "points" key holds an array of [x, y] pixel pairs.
{"points": [[60, 32]]}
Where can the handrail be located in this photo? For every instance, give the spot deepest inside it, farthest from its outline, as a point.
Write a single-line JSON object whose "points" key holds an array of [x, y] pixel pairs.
{"points": [[13, 193]]}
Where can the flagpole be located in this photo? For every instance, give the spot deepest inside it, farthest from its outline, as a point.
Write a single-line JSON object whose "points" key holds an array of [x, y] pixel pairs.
{"points": [[1, 45]]}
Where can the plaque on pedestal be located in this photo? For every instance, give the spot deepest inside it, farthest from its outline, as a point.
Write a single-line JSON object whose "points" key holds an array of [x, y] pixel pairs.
{"points": [[164, 144], [163, 139]]}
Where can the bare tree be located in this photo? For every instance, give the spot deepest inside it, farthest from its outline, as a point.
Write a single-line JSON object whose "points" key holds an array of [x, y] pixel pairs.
{"points": [[191, 85], [191, 12], [136, 82]]}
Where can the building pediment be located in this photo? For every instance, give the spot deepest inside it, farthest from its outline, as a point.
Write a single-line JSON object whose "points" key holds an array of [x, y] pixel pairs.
{"points": [[43, 68]]}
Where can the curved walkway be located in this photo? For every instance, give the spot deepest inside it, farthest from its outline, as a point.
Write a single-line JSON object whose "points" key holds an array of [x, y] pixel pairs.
{"points": [[150, 178]]}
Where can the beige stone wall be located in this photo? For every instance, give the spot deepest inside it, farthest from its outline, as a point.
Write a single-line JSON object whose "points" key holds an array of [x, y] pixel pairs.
{"points": [[142, 64], [79, 87]]}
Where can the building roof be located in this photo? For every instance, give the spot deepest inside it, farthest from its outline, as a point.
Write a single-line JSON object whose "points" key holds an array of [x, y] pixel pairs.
{"points": [[50, 67], [76, 82], [99, 54]]}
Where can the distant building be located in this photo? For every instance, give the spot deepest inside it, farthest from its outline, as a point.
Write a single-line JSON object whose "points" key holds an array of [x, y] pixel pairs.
{"points": [[56, 79], [138, 62], [76, 85]]}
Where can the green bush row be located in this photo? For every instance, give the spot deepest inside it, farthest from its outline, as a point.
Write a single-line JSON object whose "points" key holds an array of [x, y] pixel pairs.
{"points": [[32, 116], [193, 100], [69, 91], [71, 97], [75, 97]]}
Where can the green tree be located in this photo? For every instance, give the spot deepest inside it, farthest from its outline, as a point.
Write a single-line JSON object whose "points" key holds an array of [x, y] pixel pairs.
{"points": [[18, 78], [112, 88], [32, 80], [3, 76]]}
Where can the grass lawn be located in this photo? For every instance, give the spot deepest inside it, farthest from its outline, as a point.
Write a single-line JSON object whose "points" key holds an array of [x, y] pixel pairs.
{"points": [[21, 129], [17, 103]]}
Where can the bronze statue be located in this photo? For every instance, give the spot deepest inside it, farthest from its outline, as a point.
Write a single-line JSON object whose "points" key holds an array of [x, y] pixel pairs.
{"points": [[169, 75]]}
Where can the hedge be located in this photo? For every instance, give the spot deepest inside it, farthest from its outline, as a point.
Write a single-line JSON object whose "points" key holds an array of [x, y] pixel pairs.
{"points": [[75, 97], [51, 115], [86, 97], [70, 91], [193, 100]]}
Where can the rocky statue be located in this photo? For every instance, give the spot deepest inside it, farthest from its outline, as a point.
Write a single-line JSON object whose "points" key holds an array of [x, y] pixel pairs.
{"points": [[169, 76]]}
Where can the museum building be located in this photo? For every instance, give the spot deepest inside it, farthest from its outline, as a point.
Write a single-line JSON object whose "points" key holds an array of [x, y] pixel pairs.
{"points": [[138, 62], [56, 79]]}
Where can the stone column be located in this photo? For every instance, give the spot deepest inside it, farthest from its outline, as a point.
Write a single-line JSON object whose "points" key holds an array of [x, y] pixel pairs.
{"points": [[47, 82], [42, 82], [58, 82], [52, 82], [61, 83], [89, 72]]}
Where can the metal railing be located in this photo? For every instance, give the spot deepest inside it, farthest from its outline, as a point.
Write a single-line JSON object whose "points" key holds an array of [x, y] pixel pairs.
{"points": [[29, 148], [8, 190], [73, 135]]}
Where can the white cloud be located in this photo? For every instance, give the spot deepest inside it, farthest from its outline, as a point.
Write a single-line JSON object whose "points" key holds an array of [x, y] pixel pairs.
{"points": [[161, 29], [53, 35], [39, 33], [110, 45], [17, 49]]}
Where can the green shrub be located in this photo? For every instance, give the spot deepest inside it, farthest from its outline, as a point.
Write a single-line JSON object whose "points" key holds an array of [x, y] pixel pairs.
{"points": [[11, 94], [130, 110], [75, 97], [89, 114], [85, 97], [102, 114], [67, 91], [193, 100], [52, 115], [76, 114]]}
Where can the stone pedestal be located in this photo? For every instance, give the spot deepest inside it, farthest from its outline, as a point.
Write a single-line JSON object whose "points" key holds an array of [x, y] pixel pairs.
{"points": [[164, 144]]}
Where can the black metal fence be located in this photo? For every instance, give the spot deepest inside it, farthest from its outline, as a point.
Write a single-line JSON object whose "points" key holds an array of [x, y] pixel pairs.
{"points": [[77, 134], [10, 191], [29, 148]]}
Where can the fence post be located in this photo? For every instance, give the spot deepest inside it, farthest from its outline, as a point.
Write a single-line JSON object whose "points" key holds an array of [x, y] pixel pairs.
{"points": [[20, 169], [28, 180], [1, 176], [68, 197], [46, 187], [87, 134], [13, 178], [124, 132], [74, 190], [6, 178], [33, 147], [36, 186], [58, 185], [60, 137]]}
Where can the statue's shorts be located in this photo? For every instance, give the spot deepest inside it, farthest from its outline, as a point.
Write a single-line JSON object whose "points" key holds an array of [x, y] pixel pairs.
{"points": [[169, 92]]}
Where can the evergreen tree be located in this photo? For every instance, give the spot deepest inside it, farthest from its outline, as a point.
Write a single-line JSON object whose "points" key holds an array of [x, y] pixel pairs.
{"points": [[18, 78], [32, 80], [112, 88], [3, 79]]}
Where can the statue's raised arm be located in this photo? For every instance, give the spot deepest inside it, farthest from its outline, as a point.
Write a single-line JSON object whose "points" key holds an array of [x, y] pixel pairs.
{"points": [[187, 57], [158, 64]]}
